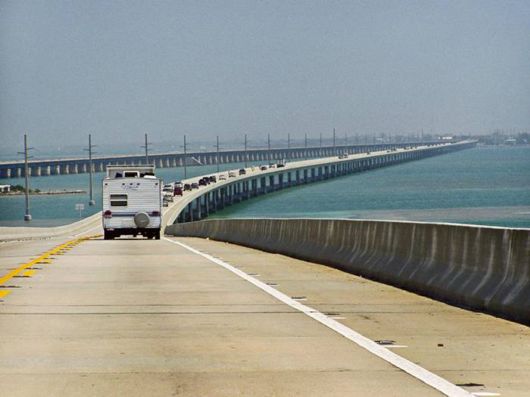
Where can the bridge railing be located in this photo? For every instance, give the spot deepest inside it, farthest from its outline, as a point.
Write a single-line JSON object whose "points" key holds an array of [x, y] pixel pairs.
{"points": [[476, 267]]}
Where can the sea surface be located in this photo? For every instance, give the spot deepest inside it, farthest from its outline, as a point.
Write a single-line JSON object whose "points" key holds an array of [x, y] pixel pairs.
{"points": [[484, 185]]}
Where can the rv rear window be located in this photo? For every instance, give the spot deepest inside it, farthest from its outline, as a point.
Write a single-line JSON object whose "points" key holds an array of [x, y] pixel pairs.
{"points": [[118, 200]]}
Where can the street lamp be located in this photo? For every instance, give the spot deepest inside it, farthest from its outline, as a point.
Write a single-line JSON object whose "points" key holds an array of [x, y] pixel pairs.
{"points": [[146, 147], [91, 200], [27, 215]]}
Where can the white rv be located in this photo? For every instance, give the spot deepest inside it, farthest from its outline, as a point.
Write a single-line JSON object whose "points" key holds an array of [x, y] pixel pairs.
{"points": [[132, 202]]}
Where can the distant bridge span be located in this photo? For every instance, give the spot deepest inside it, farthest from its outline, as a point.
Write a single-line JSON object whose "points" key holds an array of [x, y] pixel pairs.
{"points": [[45, 167]]}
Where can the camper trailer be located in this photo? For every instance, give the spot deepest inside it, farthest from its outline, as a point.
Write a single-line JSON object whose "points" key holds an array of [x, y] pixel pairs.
{"points": [[132, 202]]}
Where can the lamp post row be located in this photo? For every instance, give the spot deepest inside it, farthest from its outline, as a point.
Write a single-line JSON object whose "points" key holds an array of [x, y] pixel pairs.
{"points": [[146, 146]]}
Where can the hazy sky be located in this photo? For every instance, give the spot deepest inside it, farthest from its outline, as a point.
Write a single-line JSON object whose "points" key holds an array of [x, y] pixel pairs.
{"points": [[119, 69]]}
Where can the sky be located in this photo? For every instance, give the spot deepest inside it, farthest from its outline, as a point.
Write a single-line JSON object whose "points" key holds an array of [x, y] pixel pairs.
{"points": [[119, 69]]}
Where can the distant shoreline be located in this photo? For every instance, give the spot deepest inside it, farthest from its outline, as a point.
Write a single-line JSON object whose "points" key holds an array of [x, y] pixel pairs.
{"points": [[41, 193]]}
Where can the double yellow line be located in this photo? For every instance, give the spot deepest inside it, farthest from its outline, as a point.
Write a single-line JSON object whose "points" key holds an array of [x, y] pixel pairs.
{"points": [[45, 258]]}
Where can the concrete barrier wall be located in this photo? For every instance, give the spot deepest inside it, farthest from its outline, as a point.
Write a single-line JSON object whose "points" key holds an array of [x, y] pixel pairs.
{"points": [[8, 233], [481, 268]]}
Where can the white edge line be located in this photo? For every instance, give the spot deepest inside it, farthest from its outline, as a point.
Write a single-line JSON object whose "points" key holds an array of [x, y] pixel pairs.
{"points": [[420, 373]]}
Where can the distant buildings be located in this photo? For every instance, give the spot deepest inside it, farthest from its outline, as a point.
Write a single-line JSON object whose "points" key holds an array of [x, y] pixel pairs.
{"points": [[501, 138]]}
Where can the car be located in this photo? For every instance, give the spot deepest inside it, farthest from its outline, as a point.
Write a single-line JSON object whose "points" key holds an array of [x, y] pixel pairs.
{"points": [[194, 185], [222, 177], [263, 168], [232, 174], [202, 182], [343, 156], [178, 191], [280, 165], [213, 179], [242, 171], [187, 186], [169, 188], [168, 196]]}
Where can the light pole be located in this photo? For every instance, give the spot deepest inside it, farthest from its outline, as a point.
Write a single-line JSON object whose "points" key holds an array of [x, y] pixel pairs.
{"points": [[90, 153], [305, 140], [184, 161], [246, 153], [320, 139], [288, 141], [334, 137], [27, 215], [269, 147], [217, 154], [146, 147]]}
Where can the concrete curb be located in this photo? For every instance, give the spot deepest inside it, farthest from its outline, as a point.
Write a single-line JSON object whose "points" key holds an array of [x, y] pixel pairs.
{"points": [[35, 233], [481, 268]]}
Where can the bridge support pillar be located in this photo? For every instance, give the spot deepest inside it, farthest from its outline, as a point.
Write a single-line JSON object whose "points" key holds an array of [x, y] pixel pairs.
{"points": [[198, 208]]}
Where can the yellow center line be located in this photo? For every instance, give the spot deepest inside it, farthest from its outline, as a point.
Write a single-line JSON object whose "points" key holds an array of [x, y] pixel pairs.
{"points": [[44, 258]]}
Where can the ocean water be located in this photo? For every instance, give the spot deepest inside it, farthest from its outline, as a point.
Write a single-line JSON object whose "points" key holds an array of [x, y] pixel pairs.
{"points": [[485, 185]]}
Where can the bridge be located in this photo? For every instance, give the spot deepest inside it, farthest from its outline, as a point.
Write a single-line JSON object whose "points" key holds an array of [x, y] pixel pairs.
{"points": [[15, 169], [250, 309]]}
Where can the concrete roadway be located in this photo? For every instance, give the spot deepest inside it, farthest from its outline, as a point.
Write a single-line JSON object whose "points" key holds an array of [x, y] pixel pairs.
{"points": [[143, 317]]}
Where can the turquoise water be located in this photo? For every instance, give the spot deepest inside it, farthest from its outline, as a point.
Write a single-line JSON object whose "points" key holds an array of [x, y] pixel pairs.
{"points": [[485, 185]]}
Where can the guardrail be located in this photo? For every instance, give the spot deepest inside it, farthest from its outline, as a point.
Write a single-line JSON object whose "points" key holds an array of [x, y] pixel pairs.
{"points": [[475, 267]]}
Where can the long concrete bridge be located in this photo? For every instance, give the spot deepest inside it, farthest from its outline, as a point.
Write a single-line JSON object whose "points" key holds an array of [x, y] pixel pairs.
{"points": [[15, 169], [203, 316]]}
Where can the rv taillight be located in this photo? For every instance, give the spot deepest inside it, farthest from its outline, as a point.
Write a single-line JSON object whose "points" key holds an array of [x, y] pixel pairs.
{"points": [[107, 214], [155, 213]]}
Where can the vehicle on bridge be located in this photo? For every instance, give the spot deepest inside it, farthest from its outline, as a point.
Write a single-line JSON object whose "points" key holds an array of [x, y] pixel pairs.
{"points": [[132, 202]]}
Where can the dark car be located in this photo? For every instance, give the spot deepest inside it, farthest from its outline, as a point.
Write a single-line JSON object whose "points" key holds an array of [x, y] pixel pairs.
{"points": [[178, 191], [194, 185], [202, 182], [242, 171], [263, 168], [187, 186], [213, 179]]}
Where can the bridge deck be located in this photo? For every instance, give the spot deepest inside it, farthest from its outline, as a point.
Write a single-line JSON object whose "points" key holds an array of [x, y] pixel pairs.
{"points": [[140, 317]]}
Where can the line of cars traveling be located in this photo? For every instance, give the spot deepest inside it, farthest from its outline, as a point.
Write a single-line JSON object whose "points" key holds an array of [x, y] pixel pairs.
{"points": [[177, 188], [133, 197]]}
